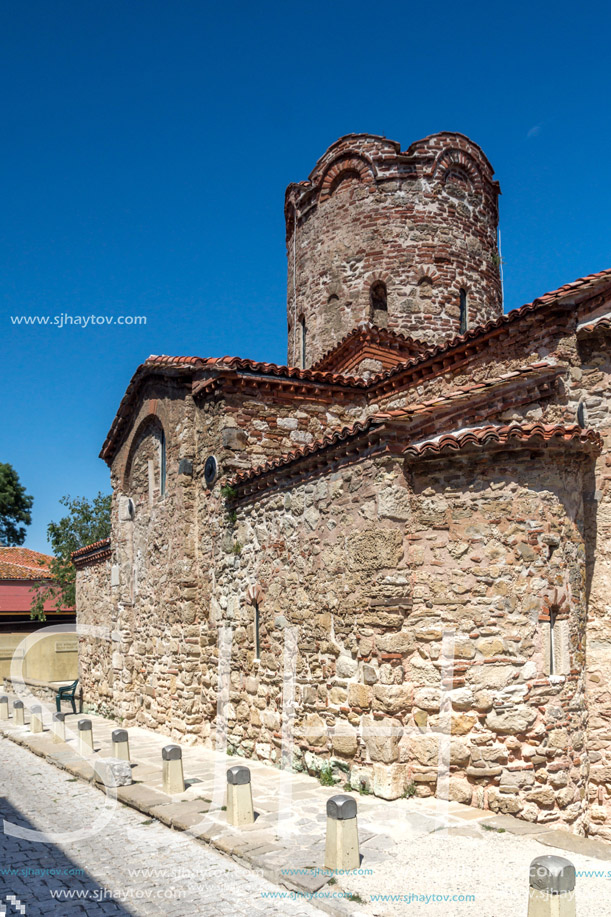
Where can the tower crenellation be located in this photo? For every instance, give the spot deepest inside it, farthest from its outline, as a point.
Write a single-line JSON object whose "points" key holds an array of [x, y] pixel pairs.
{"points": [[405, 240]]}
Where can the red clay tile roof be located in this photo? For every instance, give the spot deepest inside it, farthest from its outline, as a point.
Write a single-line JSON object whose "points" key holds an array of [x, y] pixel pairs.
{"points": [[503, 435], [96, 551], [577, 287], [252, 366], [367, 333], [518, 387], [23, 563], [506, 434], [602, 321], [187, 365], [531, 374]]}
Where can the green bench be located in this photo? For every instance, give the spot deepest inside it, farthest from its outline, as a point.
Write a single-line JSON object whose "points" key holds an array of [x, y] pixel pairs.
{"points": [[66, 692]]}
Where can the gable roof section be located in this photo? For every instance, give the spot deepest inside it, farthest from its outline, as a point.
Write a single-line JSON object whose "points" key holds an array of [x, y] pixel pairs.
{"points": [[218, 368], [429, 363], [369, 342], [390, 431]]}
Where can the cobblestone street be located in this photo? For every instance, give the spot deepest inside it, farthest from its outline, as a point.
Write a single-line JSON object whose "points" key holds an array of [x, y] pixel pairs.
{"points": [[132, 866]]}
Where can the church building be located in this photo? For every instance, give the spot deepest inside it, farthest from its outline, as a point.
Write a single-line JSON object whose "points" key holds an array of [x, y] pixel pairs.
{"points": [[392, 556]]}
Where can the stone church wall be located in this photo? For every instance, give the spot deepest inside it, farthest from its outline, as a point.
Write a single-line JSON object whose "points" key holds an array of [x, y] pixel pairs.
{"points": [[590, 385], [95, 617], [371, 563]]}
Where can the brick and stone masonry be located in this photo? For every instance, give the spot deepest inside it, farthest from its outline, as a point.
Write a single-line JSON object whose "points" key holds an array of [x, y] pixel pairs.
{"points": [[417, 227], [423, 513]]}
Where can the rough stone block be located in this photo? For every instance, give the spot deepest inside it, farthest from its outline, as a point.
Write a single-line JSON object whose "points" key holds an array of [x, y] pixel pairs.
{"points": [[511, 722], [113, 772], [394, 698], [382, 738]]}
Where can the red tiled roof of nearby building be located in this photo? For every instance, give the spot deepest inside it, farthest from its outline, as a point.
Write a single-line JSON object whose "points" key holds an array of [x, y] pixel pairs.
{"points": [[23, 564]]}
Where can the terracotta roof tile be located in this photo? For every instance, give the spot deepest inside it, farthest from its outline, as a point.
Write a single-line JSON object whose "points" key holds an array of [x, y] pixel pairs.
{"points": [[503, 435], [186, 365], [532, 371], [91, 548], [602, 321], [273, 369], [472, 336], [537, 374], [366, 333], [480, 331], [23, 563]]}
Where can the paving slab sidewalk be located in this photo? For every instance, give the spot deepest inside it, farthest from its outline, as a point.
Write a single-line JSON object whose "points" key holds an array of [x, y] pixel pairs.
{"points": [[412, 849]]}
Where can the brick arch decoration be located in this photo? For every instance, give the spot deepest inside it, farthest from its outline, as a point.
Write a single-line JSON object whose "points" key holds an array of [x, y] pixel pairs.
{"points": [[350, 163], [457, 160], [426, 272], [151, 415], [558, 601]]}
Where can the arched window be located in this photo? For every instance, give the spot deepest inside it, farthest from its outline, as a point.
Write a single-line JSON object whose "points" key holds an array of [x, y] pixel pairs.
{"points": [[464, 315], [146, 472], [303, 333], [457, 177], [378, 304]]}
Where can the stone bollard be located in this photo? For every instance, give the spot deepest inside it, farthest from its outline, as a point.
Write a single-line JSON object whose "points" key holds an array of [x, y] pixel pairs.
{"points": [[120, 744], [552, 887], [18, 713], [4, 707], [239, 797], [58, 727], [36, 719], [85, 737], [342, 847], [173, 779]]}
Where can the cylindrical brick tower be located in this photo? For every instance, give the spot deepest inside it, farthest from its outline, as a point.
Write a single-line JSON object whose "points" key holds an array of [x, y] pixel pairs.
{"points": [[404, 240]]}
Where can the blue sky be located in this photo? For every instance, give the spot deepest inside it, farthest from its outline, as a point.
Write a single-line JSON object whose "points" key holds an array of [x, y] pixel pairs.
{"points": [[147, 146]]}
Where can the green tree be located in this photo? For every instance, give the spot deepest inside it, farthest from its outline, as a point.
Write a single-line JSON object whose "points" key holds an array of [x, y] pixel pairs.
{"points": [[87, 521], [15, 507]]}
